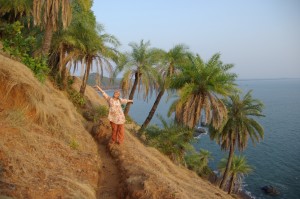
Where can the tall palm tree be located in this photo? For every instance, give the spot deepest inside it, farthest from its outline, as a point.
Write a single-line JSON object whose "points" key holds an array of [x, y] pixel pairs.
{"points": [[200, 86], [102, 50], [49, 14], [68, 44], [139, 64], [237, 171], [172, 60], [239, 126], [86, 43]]}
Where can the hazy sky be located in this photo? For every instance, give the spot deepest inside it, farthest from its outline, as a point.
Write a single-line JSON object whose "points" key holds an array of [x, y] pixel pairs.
{"points": [[260, 37]]}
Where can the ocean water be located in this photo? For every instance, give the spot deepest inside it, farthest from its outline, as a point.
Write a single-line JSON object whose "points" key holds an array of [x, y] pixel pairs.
{"points": [[276, 159]]}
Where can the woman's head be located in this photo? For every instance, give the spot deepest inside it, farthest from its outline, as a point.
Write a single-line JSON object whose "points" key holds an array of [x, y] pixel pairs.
{"points": [[116, 94]]}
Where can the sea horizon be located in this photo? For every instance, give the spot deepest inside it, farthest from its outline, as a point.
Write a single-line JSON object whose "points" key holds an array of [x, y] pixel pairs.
{"points": [[275, 78]]}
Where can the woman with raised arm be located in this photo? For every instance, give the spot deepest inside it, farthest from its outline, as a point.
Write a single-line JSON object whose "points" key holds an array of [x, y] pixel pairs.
{"points": [[116, 115]]}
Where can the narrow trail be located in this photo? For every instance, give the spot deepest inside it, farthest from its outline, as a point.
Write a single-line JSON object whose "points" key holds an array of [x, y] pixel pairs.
{"points": [[110, 182]]}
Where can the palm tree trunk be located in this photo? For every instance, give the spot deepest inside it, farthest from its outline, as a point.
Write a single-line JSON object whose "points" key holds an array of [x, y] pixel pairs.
{"points": [[54, 61], [135, 83], [85, 77], [63, 69], [64, 77], [231, 184], [228, 165], [47, 39], [152, 111]]}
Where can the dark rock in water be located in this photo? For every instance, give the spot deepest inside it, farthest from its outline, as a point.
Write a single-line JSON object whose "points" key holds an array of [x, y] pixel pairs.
{"points": [[199, 131], [270, 190], [204, 124]]}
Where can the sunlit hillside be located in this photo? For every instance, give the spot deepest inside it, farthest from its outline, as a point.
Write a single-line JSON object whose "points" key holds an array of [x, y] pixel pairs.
{"points": [[48, 150]]}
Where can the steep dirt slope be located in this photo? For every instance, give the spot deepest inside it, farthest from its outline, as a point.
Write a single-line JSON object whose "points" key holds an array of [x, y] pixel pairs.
{"points": [[45, 152]]}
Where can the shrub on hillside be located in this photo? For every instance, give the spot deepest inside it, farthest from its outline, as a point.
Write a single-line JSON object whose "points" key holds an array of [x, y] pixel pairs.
{"points": [[76, 98], [173, 139], [100, 111], [20, 47], [198, 162]]}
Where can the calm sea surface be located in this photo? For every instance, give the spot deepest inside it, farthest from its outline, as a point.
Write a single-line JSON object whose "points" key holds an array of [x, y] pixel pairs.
{"points": [[276, 159]]}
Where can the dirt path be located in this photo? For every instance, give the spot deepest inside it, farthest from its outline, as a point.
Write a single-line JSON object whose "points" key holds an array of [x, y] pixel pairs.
{"points": [[110, 180]]}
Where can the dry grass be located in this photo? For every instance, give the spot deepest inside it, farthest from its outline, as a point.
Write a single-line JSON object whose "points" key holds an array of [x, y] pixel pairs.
{"points": [[15, 118], [45, 151], [146, 173], [19, 84]]}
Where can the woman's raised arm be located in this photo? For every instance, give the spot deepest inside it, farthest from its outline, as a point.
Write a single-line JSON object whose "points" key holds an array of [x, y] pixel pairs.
{"points": [[102, 92]]}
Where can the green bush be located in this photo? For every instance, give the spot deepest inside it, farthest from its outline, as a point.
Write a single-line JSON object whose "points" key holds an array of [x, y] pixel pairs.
{"points": [[70, 81], [100, 111], [74, 144], [173, 140], [76, 98], [37, 65], [198, 162], [20, 47], [14, 42]]}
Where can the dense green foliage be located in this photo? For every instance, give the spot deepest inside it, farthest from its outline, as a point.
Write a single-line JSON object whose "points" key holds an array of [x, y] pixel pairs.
{"points": [[173, 140], [198, 162], [20, 47], [76, 98], [100, 111]]}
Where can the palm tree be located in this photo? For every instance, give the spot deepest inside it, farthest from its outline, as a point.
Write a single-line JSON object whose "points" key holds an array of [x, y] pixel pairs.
{"points": [[103, 51], [68, 44], [172, 60], [84, 42], [47, 14], [201, 85], [237, 171], [139, 64], [239, 126]]}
